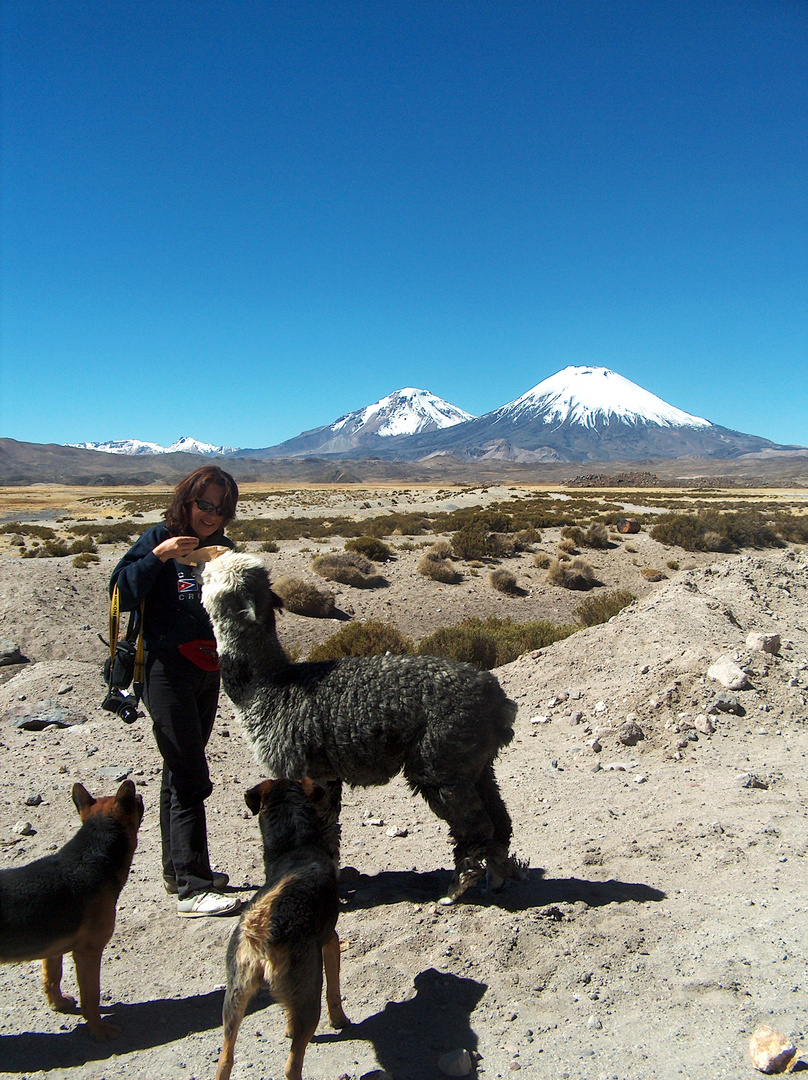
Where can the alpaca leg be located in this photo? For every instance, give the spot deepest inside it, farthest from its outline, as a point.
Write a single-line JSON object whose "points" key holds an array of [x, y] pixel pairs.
{"points": [[328, 810], [497, 861], [470, 826]]}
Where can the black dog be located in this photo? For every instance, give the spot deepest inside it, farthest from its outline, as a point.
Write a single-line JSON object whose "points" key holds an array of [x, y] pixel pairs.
{"points": [[65, 902], [287, 933]]}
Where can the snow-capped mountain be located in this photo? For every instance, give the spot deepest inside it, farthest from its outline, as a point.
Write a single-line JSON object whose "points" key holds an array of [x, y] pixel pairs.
{"points": [[134, 447], [592, 397], [581, 414], [401, 414]]}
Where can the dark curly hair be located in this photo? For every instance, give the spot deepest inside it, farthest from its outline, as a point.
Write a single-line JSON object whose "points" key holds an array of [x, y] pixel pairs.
{"points": [[178, 515]]}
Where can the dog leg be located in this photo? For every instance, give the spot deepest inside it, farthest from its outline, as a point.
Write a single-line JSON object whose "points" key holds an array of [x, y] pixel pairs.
{"points": [[301, 1026], [52, 985], [236, 1000], [88, 974], [333, 994]]}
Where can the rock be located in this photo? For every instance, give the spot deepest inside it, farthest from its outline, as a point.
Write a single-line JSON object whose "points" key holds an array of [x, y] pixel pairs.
{"points": [[10, 653], [749, 780], [47, 713], [723, 702], [630, 733], [396, 830], [115, 773], [705, 725], [23, 828], [594, 1024], [34, 799], [628, 526], [455, 1063], [758, 642], [728, 673], [771, 1052]]}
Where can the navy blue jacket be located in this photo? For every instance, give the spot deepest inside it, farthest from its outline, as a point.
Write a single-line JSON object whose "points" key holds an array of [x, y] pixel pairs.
{"points": [[174, 613]]}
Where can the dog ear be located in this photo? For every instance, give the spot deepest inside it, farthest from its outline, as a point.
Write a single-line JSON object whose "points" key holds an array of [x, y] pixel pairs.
{"points": [[313, 791], [82, 798], [128, 798], [254, 798]]}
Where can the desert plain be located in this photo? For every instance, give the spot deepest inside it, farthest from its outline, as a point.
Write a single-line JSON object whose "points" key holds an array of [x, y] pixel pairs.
{"points": [[664, 912]]}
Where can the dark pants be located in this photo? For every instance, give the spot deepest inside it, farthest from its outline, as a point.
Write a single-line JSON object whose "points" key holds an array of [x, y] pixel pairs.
{"points": [[182, 700]]}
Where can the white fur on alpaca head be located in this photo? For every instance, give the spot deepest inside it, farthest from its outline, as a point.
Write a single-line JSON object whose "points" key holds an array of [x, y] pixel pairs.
{"points": [[226, 575]]}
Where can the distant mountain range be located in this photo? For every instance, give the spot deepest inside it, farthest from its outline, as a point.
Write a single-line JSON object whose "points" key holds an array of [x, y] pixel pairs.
{"points": [[579, 414], [134, 447]]}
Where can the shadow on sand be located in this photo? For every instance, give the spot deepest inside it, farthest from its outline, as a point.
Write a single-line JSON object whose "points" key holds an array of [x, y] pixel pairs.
{"points": [[535, 890]]}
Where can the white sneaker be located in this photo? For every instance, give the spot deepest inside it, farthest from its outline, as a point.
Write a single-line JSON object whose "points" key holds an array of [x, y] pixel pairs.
{"points": [[207, 903]]}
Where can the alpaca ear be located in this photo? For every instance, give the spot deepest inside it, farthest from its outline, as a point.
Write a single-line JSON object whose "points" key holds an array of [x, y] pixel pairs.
{"points": [[275, 600]]}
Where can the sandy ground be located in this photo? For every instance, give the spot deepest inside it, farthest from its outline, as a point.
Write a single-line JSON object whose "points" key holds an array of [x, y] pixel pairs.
{"points": [[664, 912]]}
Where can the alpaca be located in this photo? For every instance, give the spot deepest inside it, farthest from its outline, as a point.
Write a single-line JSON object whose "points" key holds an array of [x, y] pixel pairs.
{"points": [[362, 720]]}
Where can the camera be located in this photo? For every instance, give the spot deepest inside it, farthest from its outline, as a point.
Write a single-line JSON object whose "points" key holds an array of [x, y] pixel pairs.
{"points": [[123, 705]]}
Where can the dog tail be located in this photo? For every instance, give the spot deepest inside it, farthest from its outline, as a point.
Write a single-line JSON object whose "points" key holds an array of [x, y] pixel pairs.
{"points": [[258, 929]]}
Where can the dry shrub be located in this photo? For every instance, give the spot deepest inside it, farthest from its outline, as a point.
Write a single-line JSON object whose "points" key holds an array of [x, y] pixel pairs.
{"points": [[501, 545], [542, 559], [504, 581], [369, 546], [524, 539], [599, 609], [471, 541], [349, 568], [575, 534], [441, 549], [304, 599], [85, 559], [370, 638], [567, 545], [653, 575], [489, 643], [437, 569], [597, 536], [578, 574]]}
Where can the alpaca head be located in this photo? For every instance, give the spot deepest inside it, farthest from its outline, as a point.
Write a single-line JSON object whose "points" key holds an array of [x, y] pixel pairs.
{"points": [[236, 589]]}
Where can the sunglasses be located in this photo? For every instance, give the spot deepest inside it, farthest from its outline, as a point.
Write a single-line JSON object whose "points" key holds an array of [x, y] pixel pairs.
{"points": [[208, 508]]}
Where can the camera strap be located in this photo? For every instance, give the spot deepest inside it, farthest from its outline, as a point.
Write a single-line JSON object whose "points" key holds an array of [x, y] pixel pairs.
{"points": [[135, 616]]}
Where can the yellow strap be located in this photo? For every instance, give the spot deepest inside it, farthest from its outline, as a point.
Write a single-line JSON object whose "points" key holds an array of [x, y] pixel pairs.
{"points": [[114, 620], [114, 625], [139, 664]]}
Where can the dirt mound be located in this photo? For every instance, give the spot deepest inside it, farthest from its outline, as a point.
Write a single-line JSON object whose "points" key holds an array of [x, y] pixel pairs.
{"points": [[663, 815]]}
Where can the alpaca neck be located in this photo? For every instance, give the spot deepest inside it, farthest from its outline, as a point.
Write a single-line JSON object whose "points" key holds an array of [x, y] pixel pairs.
{"points": [[245, 655]]}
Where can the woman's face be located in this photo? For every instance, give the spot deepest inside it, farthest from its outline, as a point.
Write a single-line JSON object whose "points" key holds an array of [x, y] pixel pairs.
{"points": [[204, 523]]}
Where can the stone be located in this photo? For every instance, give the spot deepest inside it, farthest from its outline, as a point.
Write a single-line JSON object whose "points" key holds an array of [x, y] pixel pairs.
{"points": [[759, 642], [455, 1063], [10, 653], [705, 725], [630, 733], [728, 673], [23, 828]]}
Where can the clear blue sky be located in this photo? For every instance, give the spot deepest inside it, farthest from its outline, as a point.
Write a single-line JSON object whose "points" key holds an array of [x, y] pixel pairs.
{"points": [[239, 219]]}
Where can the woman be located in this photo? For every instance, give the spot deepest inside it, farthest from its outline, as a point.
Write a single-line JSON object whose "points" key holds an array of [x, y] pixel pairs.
{"points": [[181, 687]]}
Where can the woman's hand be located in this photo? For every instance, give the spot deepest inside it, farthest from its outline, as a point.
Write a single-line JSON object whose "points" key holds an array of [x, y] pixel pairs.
{"points": [[175, 547]]}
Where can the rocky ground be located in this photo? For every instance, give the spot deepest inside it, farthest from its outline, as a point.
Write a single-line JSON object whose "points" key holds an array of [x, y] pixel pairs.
{"points": [[663, 816]]}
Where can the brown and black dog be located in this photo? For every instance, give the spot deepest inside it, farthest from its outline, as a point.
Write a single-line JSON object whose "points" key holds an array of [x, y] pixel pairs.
{"points": [[287, 933], [65, 902]]}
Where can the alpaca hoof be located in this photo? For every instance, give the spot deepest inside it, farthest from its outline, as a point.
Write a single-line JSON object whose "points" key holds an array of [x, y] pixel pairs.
{"points": [[512, 869], [468, 873]]}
